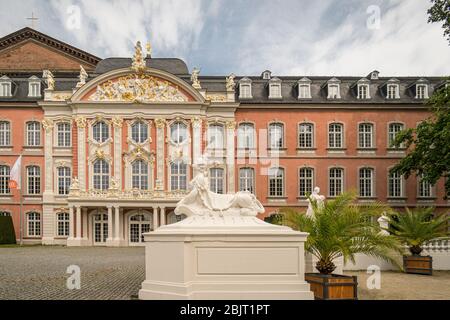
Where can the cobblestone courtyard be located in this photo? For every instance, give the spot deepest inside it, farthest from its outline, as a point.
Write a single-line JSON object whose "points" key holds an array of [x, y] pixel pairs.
{"points": [[117, 274]]}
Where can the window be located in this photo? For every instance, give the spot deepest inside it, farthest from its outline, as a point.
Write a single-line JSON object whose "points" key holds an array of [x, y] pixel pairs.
{"points": [[64, 180], [304, 91], [246, 136], [139, 132], [306, 181], [365, 134], [335, 135], [4, 180], [178, 176], [139, 175], [34, 87], [276, 182], [425, 188], [178, 132], [101, 175], [33, 134], [363, 91], [266, 75], [63, 134], [334, 88], [216, 137], [394, 129], [5, 87], [276, 136], [306, 135], [63, 224], [245, 88], [34, 180], [366, 182], [421, 91], [336, 182], [275, 88], [247, 180], [34, 224], [395, 185], [5, 134], [392, 91], [100, 132], [5, 214], [216, 180]]}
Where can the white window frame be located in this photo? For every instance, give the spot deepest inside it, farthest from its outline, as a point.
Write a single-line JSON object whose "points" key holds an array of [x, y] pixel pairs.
{"points": [[424, 189], [366, 137], [246, 136], [366, 182], [139, 132], [63, 224], [305, 84], [101, 177], [5, 133], [276, 182], [247, 179], [100, 131], [393, 133], [34, 226], [64, 180], [331, 85], [306, 138], [275, 89], [305, 181], [34, 87], [392, 91], [63, 134], [335, 137], [247, 92], [363, 91], [422, 94], [275, 137], [217, 180], [4, 180], [336, 180], [5, 87], [33, 129], [216, 136], [179, 176], [177, 127], [140, 178], [395, 185], [33, 180]]}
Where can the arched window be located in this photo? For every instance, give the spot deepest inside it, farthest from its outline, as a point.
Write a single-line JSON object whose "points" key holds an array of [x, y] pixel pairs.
{"points": [[395, 185], [246, 136], [366, 182], [64, 180], [365, 135], [216, 137], [34, 180], [178, 176], [336, 182], [335, 135], [178, 132], [4, 180], [276, 136], [425, 188], [276, 182], [139, 175], [34, 224], [306, 135], [33, 134], [5, 134], [101, 175], [394, 130], [100, 132], [216, 180], [306, 181], [139, 132], [64, 134], [63, 224], [247, 179]]}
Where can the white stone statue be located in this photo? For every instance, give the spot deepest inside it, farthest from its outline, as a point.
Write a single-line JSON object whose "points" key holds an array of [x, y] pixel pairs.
{"points": [[230, 82], [49, 79], [83, 77], [315, 196], [383, 221], [203, 202], [194, 78], [75, 184]]}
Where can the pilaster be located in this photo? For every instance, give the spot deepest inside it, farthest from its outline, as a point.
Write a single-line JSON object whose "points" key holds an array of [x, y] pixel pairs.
{"points": [[231, 129], [160, 154]]}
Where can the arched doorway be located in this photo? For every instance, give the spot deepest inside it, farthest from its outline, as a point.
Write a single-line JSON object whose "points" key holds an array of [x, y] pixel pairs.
{"points": [[100, 229], [139, 224]]}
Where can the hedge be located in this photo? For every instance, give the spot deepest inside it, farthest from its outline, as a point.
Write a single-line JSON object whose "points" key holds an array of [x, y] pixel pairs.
{"points": [[7, 234]]}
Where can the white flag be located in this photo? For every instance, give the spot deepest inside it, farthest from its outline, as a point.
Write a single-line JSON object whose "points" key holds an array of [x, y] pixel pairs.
{"points": [[16, 174]]}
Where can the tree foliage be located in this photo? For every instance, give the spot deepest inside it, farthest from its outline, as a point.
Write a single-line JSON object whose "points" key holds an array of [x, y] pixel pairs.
{"points": [[429, 143], [440, 12]]}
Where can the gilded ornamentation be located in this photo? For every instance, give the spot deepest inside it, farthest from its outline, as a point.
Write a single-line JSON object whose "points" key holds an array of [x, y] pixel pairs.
{"points": [[196, 122], [231, 85], [194, 78], [138, 88], [47, 124], [81, 122], [231, 125], [49, 79], [138, 64], [117, 122], [216, 98], [160, 123], [100, 154]]}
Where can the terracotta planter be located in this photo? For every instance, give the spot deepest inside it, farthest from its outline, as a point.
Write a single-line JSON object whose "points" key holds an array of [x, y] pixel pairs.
{"points": [[418, 264], [333, 286]]}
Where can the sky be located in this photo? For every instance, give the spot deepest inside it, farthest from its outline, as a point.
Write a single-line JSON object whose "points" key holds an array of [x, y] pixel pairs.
{"points": [[246, 37]]}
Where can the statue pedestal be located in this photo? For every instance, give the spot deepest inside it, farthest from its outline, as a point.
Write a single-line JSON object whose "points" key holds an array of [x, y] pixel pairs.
{"points": [[225, 258]]}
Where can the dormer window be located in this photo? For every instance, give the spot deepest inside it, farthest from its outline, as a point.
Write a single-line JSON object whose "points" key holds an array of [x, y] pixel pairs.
{"points": [[5, 87], [266, 75], [245, 88], [393, 89], [304, 88], [34, 87], [374, 75], [334, 90], [275, 89], [422, 89], [363, 89]]}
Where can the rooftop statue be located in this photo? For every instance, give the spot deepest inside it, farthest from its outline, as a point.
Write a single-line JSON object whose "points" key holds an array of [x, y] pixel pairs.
{"points": [[194, 78], [83, 77], [231, 85], [201, 201], [138, 64], [49, 79]]}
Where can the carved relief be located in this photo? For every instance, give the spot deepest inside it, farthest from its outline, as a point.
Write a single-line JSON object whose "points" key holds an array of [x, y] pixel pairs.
{"points": [[160, 123], [47, 124], [216, 98], [81, 122], [117, 122]]}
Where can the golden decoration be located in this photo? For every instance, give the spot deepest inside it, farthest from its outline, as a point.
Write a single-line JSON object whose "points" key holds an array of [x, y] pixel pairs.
{"points": [[231, 125], [160, 123], [81, 122], [216, 98], [117, 122], [47, 124]]}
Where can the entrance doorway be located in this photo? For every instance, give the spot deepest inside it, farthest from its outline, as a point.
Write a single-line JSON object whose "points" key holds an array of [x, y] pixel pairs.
{"points": [[138, 225], [100, 229]]}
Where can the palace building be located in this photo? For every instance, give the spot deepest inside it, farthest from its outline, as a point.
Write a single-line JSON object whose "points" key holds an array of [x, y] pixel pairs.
{"points": [[109, 145]]}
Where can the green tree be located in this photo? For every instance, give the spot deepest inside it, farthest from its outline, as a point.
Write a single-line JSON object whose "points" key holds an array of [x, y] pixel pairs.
{"points": [[429, 143], [342, 228], [440, 12]]}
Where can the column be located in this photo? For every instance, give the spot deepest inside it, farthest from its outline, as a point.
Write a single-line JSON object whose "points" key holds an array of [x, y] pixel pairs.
{"points": [[85, 222], [81, 130], [71, 226], [155, 218], [160, 153], [231, 129], [117, 125], [163, 216], [110, 224], [117, 223], [78, 223], [47, 124], [196, 140]]}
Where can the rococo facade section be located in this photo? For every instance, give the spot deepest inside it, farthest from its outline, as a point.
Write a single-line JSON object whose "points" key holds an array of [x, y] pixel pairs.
{"points": [[109, 146]]}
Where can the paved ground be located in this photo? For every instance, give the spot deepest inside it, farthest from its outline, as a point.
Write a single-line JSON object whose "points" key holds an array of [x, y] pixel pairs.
{"points": [[117, 273]]}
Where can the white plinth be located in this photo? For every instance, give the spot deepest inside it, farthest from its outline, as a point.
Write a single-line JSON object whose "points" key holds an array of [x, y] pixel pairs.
{"points": [[234, 258]]}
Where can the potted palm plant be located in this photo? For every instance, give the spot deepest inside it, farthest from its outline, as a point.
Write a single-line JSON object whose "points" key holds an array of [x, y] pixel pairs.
{"points": [[414, 228], [341, 228]]}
